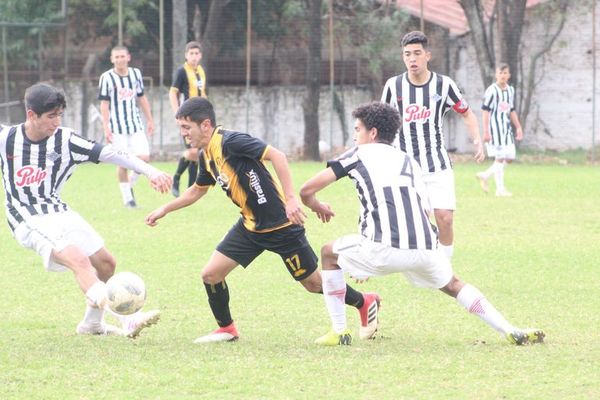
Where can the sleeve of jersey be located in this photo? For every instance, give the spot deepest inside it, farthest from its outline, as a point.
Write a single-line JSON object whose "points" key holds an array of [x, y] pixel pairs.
{"points": [[345, 163], [103, 88], [178, 80], [83, 150], [386, 95], [242, 144], [113, 155], [487, 100], [455, 98], [140, 86], [204, 178]]}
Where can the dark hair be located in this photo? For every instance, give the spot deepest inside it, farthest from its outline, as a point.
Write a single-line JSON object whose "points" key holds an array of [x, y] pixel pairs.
{"points": [[118, 48], [415, 37], [193, 45], [381, 116], [41, 98], [196, 109], [502, 66]]}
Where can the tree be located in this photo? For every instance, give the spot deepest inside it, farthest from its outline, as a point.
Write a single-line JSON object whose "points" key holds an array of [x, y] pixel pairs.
{"points": [[180, 31], [310, 104], [507, 20]]}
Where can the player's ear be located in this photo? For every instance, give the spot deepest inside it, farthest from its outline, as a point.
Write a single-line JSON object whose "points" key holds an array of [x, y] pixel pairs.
{"points": [[373, 134]]}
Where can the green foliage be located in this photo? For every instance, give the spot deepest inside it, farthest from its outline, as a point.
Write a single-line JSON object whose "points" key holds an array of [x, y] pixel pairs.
{"points": [[533, 255]]}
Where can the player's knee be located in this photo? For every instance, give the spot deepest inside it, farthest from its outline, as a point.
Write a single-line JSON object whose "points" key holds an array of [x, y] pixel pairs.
{"points": [[211, 276]]}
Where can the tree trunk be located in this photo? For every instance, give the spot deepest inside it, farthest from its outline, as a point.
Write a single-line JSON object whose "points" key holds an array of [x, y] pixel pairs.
{"points": [[179, 31], [212, 29], [313, 83], [513, 16], [484, 48]]}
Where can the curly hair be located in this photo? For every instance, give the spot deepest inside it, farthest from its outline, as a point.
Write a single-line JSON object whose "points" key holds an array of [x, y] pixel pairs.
{"points": [[381, 116]]}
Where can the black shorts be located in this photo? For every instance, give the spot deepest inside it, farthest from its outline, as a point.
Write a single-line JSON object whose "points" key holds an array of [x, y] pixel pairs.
{"points": [[290, 243]]}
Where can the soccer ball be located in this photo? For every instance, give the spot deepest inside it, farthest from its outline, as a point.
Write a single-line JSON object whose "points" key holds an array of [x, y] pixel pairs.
{"points": [[126, 293]]}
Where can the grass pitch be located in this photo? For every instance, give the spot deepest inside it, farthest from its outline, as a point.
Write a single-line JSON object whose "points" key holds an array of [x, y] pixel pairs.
{"points": [[534, 255]]}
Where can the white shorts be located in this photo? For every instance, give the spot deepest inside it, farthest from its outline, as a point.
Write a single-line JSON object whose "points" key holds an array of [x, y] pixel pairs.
{"points": [[136, 144], [440, 189], [362, 258], [502, 152], [44, 233]]}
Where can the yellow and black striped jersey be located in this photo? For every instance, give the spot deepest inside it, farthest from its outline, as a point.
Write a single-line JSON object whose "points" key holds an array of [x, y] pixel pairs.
{"points": [[234, 160], [189, 81]]}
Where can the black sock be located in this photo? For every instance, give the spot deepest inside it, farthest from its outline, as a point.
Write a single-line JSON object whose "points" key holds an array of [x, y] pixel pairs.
{"points": [[192, 172], [218, 299], [182, 166], [353, 297]]}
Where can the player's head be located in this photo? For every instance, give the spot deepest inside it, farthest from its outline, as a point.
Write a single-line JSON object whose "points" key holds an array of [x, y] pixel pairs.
{"points": [[193, 53], [415, 52], [502, 73], [196, 118], [42, 98], [120, 57], [44, 105], [375, 122]]}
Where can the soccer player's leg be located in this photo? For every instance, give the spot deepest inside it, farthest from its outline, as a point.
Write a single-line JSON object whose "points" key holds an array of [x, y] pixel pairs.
{"points": [[235, 249]]}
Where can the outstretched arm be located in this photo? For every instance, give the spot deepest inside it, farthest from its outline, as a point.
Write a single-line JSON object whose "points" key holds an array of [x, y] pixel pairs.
{"points": [[293, 208], [308, 193], [160, 181], [190, 196], [473, 127]]}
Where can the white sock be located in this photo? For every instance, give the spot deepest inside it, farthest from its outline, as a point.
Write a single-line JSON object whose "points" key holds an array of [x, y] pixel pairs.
{"points": [[499, 177], [473, 300], [96, 295], [447, 250], [334, 292], [93, 315], [126, 192], [133, 178]]}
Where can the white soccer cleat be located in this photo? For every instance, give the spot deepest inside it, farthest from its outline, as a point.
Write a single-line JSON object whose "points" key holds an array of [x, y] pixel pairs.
{"points": [[503, 193], [140, 321], [224, 334], [103, 329]]}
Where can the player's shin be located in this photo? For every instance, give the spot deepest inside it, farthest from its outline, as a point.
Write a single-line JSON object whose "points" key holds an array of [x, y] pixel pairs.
{"points": [[218, 300], [334, 292]]}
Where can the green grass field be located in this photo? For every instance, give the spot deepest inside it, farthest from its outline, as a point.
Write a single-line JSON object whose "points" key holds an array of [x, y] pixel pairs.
{"points": [[534, 255]]}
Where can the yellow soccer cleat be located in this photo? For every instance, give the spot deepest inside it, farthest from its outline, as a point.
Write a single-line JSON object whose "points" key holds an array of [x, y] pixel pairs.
{"points": [[522, 337], [335, 339]]}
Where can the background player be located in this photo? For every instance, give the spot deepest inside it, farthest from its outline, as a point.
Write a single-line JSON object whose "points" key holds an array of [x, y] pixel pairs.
{"points": [[119, 88], [395, 232], [189, 80], [423, 98], [37, 159], [272, 217], [498, 113]]}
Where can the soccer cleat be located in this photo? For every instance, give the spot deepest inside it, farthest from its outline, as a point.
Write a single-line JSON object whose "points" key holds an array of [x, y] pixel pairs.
{"points": [[140, 321], [522, 337], [482, 182], [332, 338], [369, 316], [503, 193], [102, 328], [224, 334]]}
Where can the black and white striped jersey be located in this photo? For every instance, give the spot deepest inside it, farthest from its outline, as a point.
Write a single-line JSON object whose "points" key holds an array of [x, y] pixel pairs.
{"points": [[422, 109], [122, 92], [33, 173], [500, 103], [392, 196]]}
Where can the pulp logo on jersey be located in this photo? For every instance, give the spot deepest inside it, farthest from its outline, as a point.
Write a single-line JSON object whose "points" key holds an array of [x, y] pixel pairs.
{"points": [[503, 106], [28, 176], [255, 186], [416, 113], [125, 94]]}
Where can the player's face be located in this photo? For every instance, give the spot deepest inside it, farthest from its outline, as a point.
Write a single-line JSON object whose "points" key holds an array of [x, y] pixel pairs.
{"points": [[120, 58], [193, 57], [362, 135], [198, 134], [502, 76], [415, 58], [47, 123]]}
